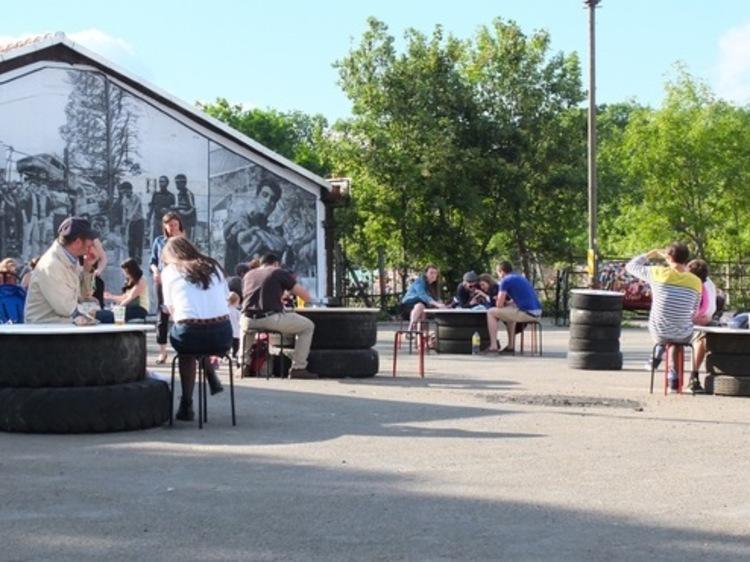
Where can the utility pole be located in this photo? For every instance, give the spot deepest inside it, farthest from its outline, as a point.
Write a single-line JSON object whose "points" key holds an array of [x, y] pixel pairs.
{"points": [[593, 245]]}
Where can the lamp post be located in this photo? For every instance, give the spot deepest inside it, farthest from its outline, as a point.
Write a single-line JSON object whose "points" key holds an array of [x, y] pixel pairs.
{"points": [[593, 246]]}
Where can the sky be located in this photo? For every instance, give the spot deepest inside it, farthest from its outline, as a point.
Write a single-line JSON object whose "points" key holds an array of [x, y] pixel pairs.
{"points": [[279, 54]]}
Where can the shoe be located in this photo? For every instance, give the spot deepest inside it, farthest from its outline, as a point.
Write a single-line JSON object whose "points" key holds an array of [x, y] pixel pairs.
{"points": [[214, 384], [161, 359], [301, 374], [185, 412], [695, 385], [507, 350]]}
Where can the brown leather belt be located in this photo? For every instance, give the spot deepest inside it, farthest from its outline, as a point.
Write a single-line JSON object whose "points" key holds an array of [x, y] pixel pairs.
{"points": [[204, 321]]}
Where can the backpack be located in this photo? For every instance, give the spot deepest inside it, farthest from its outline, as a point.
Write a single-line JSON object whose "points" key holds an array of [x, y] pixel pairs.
{"points": [[12, 302]]}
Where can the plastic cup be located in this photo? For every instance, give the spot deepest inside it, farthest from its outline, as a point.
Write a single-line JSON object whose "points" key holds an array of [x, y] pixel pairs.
{"points": [[119, 312]]}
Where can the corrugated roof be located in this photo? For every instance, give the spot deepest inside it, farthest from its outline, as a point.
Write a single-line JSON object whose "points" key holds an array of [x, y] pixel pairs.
{"points": [[57, 47]]}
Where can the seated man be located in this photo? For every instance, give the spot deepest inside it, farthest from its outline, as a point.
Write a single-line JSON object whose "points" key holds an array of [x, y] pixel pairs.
{"points": [[466, 293], [524, 308], [262, 290], [675, 296], [59, 283]]}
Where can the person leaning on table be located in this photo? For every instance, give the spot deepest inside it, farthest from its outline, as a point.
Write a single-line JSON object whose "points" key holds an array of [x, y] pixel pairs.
{"points": [[60, 283]]}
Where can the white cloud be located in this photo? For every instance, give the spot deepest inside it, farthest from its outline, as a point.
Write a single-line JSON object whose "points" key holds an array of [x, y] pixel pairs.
{"points": [[734, 64]]}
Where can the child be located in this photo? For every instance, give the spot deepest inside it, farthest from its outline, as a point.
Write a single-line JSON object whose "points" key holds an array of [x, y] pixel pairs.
{"points": [[234, 317]]}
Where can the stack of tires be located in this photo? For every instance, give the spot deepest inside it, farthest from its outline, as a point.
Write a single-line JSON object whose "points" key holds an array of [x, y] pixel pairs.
{"points": [[728, 364], [342, 344], [454, 332], [78, 384], [595, 318]]}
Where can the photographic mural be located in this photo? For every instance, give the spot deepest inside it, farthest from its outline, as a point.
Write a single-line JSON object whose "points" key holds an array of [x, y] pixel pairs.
{"points": [[73, 142]]}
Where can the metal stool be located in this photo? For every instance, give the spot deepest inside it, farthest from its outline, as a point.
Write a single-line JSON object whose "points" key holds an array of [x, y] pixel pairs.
{"points": [[421, 344], [536, 335], [680, 367], [201, 384]]}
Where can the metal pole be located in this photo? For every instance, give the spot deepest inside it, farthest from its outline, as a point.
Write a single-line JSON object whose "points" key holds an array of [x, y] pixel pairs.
{"points": [[593, 246]]}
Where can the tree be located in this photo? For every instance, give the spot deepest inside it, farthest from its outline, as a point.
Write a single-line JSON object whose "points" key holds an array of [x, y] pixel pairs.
{"points": [[295, 135], [463, 150], [685, 174]]}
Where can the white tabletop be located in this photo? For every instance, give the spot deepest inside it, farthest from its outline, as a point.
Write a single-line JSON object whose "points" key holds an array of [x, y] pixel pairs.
{"points": [[334, 309], [455, 311], [597, 293], [722, 330], [67, 329]]}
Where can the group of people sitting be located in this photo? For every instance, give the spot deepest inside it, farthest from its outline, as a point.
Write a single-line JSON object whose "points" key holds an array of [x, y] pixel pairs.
{"points": [[510, 299], [192, 291]]}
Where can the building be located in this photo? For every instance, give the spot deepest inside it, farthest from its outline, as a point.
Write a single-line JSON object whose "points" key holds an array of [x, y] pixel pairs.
{"points": [[78, 135]]}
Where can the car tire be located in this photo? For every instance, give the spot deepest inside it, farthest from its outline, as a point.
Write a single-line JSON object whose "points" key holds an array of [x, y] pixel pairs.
{"points": [[342, 363], [577, 344], [87, 409], [595, 361], [463, 347], [725, 385], [104, 359], [461, 332], [596, 300], [589, 332], [595, 317]]}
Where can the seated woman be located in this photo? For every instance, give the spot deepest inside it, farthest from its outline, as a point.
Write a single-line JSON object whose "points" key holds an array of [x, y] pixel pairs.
{"points": [[420, 295], [195, 293], [488, 287], [8, 272], [134, 295]]}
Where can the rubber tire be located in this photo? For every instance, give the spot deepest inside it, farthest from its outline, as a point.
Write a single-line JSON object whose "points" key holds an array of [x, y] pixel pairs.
{"points": [[595, 317], [595, 361], [462, 347], [88, 409], [345, 330], [341, 363], [725, 385], [91, 360], [588, 332], [728, 364], [728, 343], [585, 301], [461, 332], [456, 320], [577, 344]]}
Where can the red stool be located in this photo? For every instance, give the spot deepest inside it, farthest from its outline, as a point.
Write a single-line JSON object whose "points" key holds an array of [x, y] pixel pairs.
{"points": [[679, 367], [536, 335], [421, 338]]}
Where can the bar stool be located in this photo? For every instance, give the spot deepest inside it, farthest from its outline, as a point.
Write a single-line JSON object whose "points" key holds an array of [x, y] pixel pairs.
{"points": [[421, 345], [680, 367], [202, 387], [536, 335]]}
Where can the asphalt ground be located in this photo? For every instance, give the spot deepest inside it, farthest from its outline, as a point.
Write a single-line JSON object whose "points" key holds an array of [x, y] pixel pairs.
{"points": [[487, 458]]}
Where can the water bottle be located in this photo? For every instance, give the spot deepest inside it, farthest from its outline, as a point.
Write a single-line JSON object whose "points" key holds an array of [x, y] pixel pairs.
{"points": [[475, 343]]}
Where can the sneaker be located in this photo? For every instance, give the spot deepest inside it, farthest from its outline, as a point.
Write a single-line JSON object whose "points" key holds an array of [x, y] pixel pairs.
{"points": [[185, 412], [302, 374], [695, 385]]}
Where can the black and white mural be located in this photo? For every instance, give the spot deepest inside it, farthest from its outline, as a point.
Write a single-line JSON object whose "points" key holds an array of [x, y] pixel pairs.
{"points": [[74, 142]]}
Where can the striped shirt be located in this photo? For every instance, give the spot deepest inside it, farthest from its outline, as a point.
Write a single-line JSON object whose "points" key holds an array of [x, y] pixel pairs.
{"points": [[675, 298]]}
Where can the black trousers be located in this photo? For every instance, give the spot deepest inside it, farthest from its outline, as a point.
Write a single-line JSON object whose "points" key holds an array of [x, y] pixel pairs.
{"points": [[162, 317]]}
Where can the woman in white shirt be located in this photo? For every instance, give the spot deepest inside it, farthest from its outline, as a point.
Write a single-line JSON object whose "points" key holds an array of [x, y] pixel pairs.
{"points": [[195, 292]]}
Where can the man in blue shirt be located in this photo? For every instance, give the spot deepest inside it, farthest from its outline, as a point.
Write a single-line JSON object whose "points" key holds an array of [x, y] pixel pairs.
{"points": [[525, 306]]}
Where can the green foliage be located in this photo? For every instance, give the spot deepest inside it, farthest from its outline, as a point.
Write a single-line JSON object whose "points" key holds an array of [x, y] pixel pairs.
{"points": [[462, 151], [295, 135], [679, 172]]}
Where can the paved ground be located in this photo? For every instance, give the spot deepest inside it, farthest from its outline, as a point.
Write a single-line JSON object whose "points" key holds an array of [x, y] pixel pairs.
{"points": [[511, 458]]}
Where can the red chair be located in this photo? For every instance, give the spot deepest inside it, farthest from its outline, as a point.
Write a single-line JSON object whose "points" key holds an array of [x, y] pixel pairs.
{"points": [[680, 367], [422, 341]]}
